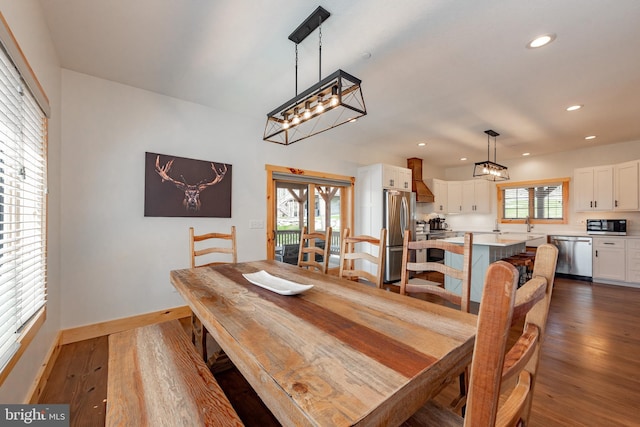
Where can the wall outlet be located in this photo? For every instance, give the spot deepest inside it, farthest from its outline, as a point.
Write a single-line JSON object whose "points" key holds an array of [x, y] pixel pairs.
{"points": [[256, 224]]}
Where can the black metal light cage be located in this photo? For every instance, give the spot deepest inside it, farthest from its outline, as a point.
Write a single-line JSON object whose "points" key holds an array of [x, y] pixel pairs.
{"points": [[491, 171], [335, 100]]}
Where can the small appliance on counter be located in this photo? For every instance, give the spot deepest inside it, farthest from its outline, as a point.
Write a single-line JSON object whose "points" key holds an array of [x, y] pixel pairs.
{"points": [[437, 224], [609, 227]]}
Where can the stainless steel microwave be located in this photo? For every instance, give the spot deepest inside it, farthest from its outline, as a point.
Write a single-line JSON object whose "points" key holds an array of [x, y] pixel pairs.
{"points": [[616, 227]]}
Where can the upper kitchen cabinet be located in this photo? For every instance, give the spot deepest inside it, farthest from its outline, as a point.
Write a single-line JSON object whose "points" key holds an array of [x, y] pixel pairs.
{"points": [[472, 196], [594, 188], [476, 196], [440, 195], [625, 182], [454, 197], [395, 177]]}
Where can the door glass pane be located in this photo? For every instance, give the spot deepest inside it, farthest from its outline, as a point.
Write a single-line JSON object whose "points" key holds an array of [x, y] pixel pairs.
{"points": [[292, 213]]}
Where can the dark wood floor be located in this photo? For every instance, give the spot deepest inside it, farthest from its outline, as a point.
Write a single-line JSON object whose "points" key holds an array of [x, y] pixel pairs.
{"points": [[589, 372]]}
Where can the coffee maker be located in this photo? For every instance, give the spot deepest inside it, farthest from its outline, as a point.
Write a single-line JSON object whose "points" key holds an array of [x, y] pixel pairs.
{"points": [[437, 224]]}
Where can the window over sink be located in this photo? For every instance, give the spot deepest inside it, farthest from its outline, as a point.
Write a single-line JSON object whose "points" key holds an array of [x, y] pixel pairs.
{"points": [[541, 201]]}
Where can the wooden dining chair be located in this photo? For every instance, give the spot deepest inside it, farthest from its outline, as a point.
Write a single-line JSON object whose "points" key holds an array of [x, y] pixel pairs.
{"points": [[354, 259], [412, 285], [202, 250], [312, 246], [492, 366], [197, 249]]}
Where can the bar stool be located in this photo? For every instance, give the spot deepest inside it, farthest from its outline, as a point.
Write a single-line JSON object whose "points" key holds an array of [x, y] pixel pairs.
{"points": [[523, 263]]}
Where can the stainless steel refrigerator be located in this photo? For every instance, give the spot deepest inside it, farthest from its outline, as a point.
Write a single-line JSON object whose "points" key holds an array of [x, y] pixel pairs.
{"points": [[399, 209]]}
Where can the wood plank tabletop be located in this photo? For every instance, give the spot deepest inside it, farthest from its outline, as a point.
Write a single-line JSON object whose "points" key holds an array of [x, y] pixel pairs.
{"points": [[340, 354]]}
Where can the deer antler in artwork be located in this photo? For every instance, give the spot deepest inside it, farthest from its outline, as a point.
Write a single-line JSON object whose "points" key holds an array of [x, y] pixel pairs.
{"points": [[191, 192]]}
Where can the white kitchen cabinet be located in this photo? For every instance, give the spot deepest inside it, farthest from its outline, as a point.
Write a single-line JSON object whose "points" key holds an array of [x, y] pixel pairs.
{"points": [[609, 260], [404, 179], [440, 194], [454, 196], [476, 196], [633, 260], [396, 178], [473, 196], [594, 188], [626, 184]]}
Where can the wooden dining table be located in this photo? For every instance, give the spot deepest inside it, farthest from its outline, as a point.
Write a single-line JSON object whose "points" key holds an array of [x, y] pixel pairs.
{"points": [[339, 354]]}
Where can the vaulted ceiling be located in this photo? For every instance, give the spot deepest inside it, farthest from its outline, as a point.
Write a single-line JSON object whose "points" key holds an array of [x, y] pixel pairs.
{"points": [[434, 71]]}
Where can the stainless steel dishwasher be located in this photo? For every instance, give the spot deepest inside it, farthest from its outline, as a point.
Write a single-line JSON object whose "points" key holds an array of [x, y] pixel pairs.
{"points": [[574, 255]]}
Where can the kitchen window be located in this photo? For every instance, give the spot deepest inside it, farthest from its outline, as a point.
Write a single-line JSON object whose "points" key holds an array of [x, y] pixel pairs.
{"points": [[544, 201], [23, 173]]}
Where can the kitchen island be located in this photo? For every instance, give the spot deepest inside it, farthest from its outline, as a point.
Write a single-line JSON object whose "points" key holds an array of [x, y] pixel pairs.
{"points": [[487, 248]]}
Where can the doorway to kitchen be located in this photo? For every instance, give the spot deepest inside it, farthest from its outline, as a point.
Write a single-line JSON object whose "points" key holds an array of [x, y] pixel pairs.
{"points": [[299, 198]]}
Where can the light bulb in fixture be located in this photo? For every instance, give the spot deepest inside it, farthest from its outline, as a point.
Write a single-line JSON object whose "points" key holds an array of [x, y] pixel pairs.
{"points": [[334, 96], [307, 110], [296, 118], [285, 123]]}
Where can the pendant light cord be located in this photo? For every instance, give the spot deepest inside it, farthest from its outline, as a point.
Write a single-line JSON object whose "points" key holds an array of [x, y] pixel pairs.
{"points": [[296, 69], [319, 48]]}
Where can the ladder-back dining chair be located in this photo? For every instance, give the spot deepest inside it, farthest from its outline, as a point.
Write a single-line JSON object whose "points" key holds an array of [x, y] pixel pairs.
{"points": [[314, 245], [493, 368], [413, 285], [410, 284], [202, 251], [354, 257], [202, 246]]}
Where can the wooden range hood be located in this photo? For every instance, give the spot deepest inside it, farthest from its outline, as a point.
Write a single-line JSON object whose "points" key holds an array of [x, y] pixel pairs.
{"points": [[423, 194]]}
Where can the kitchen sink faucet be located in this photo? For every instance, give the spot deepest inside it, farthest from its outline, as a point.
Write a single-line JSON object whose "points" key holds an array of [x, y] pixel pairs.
{"points": [[527, 221]]}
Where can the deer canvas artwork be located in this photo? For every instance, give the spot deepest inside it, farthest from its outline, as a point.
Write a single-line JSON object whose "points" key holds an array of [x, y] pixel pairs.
{"points": [[180, 187]]}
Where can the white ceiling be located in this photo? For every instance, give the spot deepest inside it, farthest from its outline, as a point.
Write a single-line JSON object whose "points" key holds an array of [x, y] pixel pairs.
{"points": [[439, 71]]}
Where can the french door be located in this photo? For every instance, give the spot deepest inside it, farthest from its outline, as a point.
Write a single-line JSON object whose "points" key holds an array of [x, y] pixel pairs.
{"points": [[297, 199]]}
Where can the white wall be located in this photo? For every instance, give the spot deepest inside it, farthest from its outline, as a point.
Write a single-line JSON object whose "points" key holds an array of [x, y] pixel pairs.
{"points": [[116, 262], [27, 24]]}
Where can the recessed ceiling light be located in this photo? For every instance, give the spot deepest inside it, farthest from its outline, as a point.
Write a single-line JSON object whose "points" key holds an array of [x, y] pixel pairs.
{"points": [[541, 41], [574, 107], [526, 154], [421, 144], [590, 137], [463, 158]]}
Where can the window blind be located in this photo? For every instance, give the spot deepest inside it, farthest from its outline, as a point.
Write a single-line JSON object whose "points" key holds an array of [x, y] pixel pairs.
{"points": [[22, 207]]}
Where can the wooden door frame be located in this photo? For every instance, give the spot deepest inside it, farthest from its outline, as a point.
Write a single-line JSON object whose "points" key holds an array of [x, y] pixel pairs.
{"points": [[346, 202]]}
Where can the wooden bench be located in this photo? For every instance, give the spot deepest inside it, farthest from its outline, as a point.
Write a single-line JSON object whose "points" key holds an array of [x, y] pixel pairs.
{"points": [[156, 378]]}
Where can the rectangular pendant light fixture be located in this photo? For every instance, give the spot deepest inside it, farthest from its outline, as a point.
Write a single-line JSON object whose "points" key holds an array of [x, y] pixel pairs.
{"points": [[335, 100], [490, 170]]}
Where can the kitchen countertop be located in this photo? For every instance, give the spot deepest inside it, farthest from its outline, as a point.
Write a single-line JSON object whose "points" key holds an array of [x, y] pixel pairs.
{"points": [[507, 239]]}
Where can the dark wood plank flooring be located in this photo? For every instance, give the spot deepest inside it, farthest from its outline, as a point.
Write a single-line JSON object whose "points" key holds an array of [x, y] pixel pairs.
{"points": [[589, 372]]}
